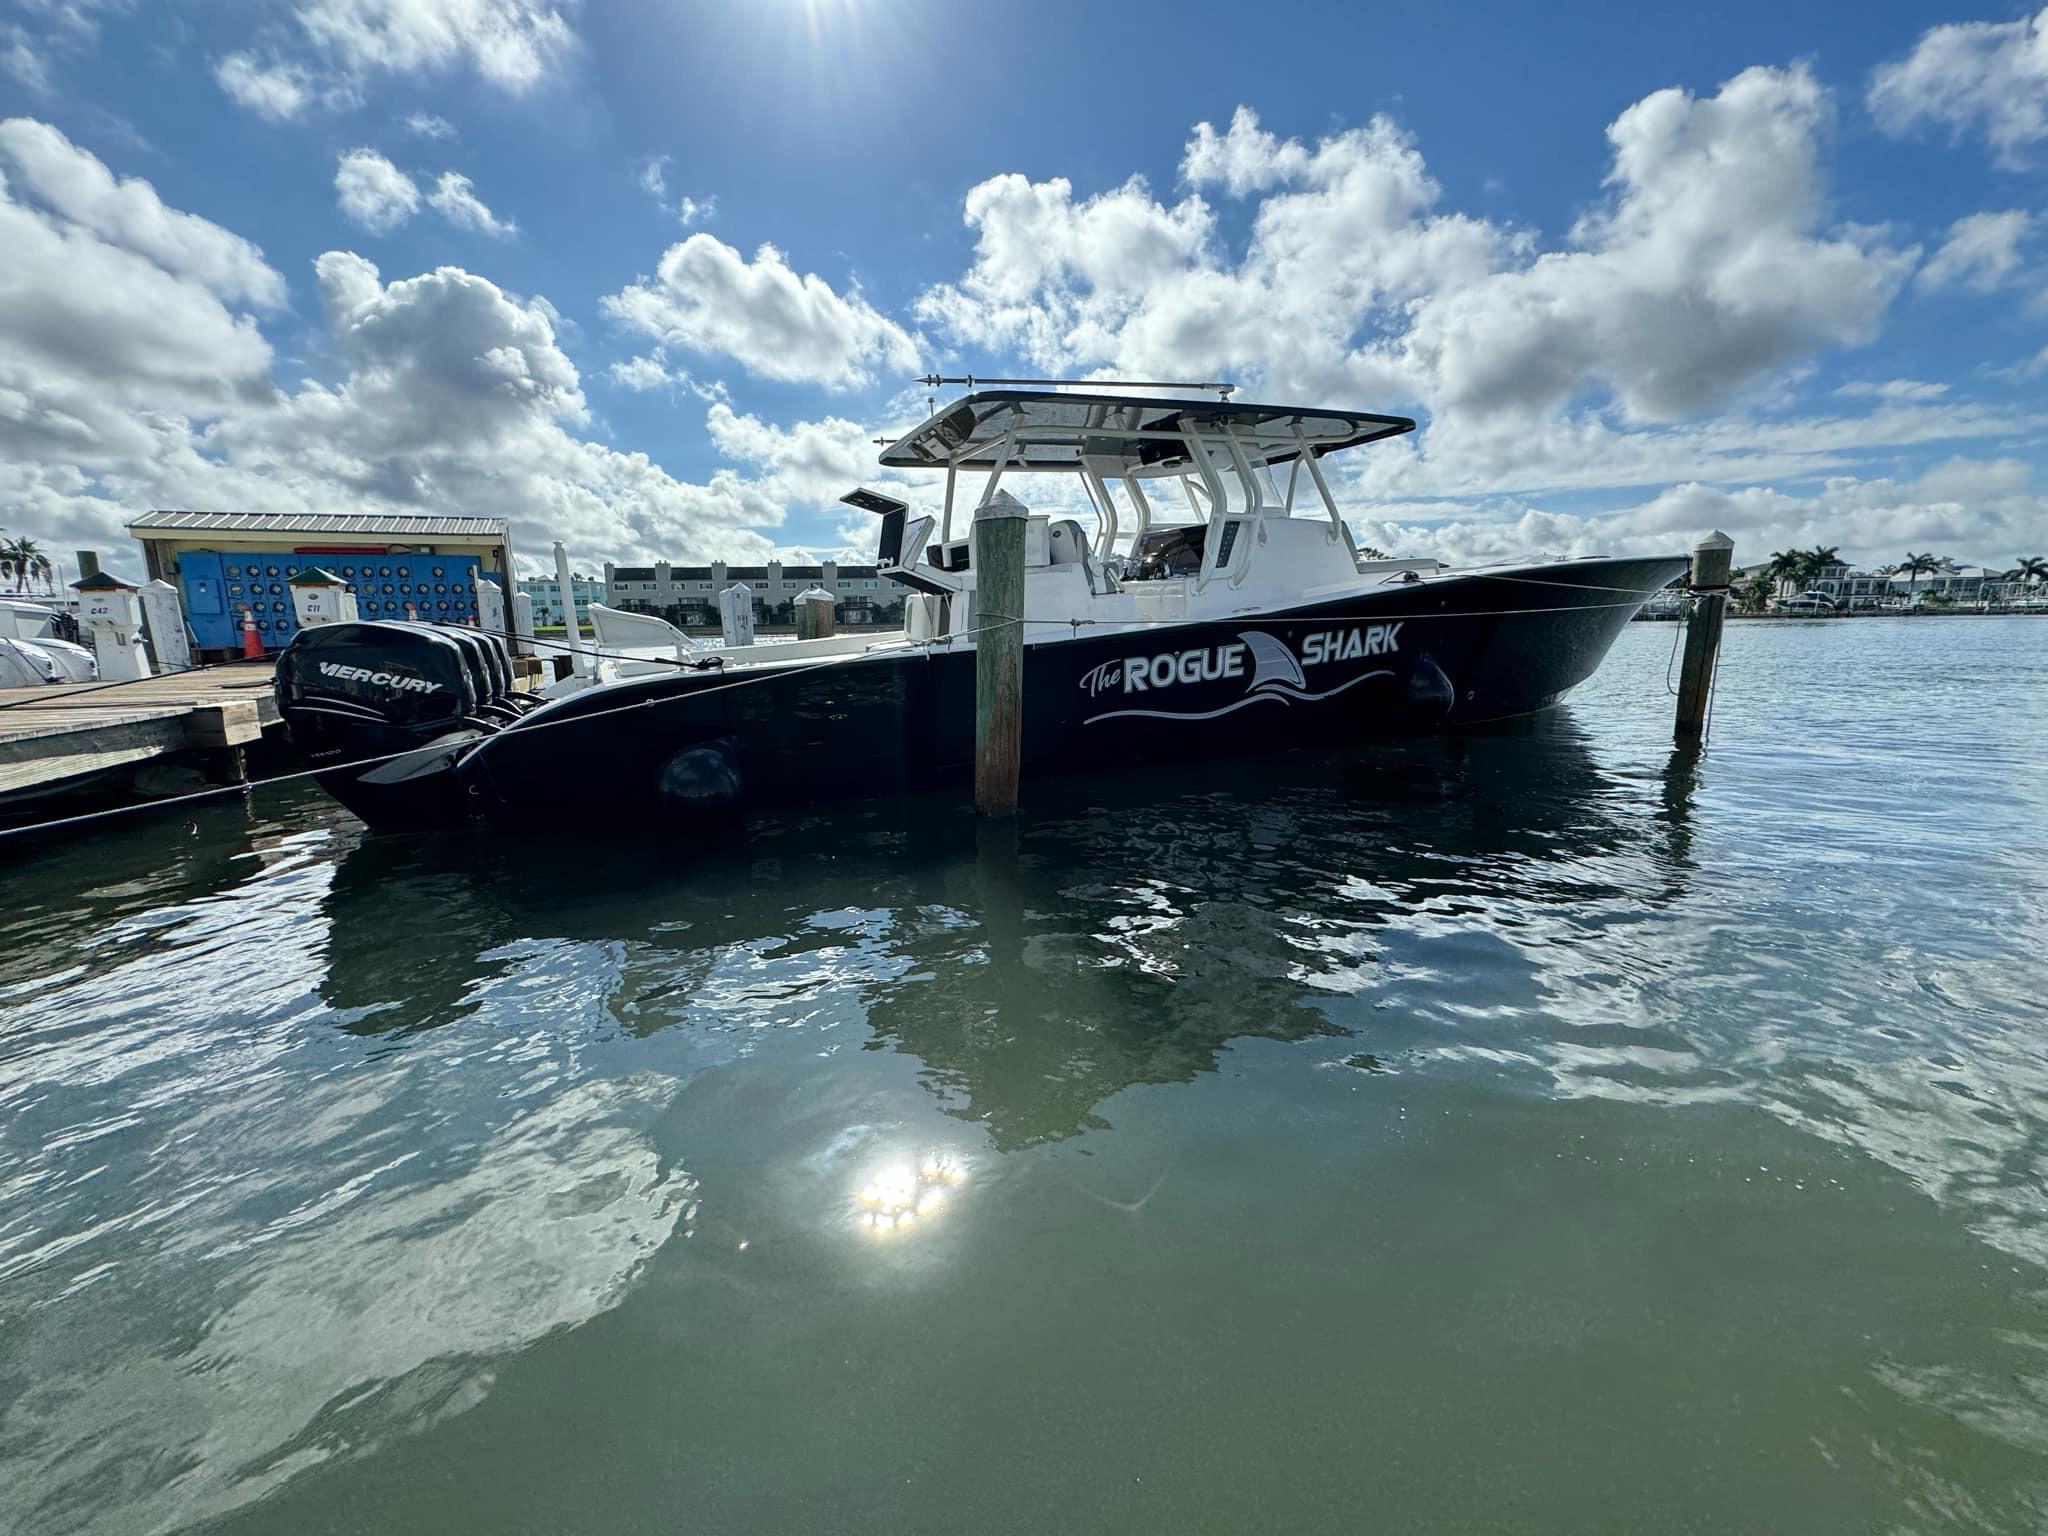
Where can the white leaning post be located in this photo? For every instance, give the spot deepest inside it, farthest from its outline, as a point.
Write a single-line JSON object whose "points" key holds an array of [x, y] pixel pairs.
{"points": [[490, 606], [522, 622], [736, 614], [583, 664], [163, 621], [112, 616]]}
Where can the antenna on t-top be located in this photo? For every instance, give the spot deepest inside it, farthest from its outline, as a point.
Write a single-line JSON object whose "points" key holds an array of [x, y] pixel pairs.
{"points": [[1222, 391]]}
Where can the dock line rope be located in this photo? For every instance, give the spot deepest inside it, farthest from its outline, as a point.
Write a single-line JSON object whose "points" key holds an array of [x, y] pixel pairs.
{"points": [[1677, 633], [1349, 618]]}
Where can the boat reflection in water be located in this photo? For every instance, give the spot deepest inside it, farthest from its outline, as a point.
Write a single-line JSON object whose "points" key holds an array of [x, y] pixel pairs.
{"points": [[1131, 933]]}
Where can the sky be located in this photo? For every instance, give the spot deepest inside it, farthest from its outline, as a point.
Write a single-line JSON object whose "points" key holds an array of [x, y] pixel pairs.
{"points": [[652, 279]]}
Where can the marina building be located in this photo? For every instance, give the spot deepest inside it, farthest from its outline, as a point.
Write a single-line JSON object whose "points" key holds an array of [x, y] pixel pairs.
{"points": [[687, 595], [228, 564]]}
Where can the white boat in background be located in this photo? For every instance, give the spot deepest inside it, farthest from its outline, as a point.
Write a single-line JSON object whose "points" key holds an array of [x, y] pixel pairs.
{"points": [[32, 652], [1805, 602]]}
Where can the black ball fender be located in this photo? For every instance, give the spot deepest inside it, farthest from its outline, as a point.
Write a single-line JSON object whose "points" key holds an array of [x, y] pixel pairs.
{"points": [[703, 779]]}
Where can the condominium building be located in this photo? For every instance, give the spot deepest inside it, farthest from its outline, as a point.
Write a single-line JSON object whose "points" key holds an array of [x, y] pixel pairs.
{"points": [[546, 593], [687, 595]]}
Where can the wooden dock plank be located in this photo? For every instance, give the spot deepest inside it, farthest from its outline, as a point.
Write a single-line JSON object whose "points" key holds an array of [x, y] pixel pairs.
{"points": [[40, 761], [51, 734]]}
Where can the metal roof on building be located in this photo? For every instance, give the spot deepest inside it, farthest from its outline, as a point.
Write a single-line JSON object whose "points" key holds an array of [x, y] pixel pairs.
{"points": [[409, 525]]}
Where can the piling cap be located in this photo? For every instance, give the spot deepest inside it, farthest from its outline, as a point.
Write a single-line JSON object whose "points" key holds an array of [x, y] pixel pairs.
{"points": [[1715, 540], [313, 576], [814, 595], [100, 581], [1002, 504]]}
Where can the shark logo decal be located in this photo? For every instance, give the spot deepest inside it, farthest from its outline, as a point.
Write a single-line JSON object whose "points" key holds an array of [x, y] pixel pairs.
{"points": [[1272, 661], [1277, 672]]}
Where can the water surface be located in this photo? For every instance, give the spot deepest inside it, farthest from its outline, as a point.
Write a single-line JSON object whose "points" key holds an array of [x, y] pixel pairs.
{"points": [[1538, 1131]]}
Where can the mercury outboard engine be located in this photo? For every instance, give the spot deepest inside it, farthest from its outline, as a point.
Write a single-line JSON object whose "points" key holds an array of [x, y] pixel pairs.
{"points": [[387, 711]]}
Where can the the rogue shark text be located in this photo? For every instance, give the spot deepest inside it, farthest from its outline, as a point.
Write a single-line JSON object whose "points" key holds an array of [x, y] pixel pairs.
{"points": [[1350, 644], [1208, 664], [1140, 673], [1273, 671]]}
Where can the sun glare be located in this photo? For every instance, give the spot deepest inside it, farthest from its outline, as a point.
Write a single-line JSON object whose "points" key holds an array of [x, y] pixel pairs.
{"points": [[904, 1194]]}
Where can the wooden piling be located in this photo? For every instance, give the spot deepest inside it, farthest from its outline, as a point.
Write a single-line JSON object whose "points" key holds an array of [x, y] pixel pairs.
{"points": [[1712, 560], [998, 560], [814, 615]]}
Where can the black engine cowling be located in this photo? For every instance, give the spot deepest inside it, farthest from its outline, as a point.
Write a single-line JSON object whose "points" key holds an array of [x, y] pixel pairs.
{"points": [[386, 711]]}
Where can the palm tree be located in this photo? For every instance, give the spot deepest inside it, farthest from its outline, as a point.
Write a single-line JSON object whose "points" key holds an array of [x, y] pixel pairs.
{"points": [[1916, 566], [2028, 570], [1788, 566], [1818, 559], [19, 558]]}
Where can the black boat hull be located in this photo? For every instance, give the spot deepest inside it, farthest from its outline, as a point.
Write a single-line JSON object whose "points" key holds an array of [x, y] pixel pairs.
{"points": [[1356, 669]]}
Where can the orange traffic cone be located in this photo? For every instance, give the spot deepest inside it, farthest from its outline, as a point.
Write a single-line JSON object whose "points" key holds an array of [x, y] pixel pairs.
{"points": [[252, 643]]}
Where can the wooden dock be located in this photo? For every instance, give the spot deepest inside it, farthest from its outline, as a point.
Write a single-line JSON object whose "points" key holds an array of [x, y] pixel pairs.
{"points": [[55, 737]]}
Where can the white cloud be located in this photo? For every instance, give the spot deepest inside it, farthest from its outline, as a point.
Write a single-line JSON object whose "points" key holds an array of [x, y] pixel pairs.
{"points": [[1991, 75], [654, 177], [1894, 389], [641, 374], [1074, 285], [1245, 158], [1707, 270], [454, 198], [690, 210], [274, 91], [514, 45], [510, 43], [21, 59], [106, 352], [79, 188], [64, 27], [1972, 509], [128, 382], [707, 297], [373, 192], [1981, 251], [813, 462]]}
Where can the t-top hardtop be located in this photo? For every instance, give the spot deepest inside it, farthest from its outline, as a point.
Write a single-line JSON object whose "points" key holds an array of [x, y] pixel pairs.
{"points": [[1065, 431]]}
